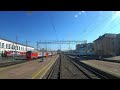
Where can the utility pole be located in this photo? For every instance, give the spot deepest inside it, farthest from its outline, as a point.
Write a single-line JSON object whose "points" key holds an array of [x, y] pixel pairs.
{"points": [[26, 45], [46, 46], [37, 46], [60, 47], [69, 45], [16, 46], [86, 48], [13, 49]]}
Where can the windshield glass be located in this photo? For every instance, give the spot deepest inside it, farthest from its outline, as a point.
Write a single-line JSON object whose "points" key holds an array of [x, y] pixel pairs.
{"points": [[72, 39]]}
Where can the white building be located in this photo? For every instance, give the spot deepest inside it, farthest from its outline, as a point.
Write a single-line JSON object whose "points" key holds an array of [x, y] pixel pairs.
{"points": [[84, 49], [7, 45]]}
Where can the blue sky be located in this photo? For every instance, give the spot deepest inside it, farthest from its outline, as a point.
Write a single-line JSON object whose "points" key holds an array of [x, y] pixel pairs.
{"points": [[69, 25]]}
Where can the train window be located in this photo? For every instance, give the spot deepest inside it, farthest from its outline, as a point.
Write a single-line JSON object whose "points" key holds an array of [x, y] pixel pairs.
{"points": [[19, 47], [0, 44], [29, 52]]}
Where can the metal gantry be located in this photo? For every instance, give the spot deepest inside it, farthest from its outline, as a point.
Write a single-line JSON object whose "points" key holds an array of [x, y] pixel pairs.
{"points": [[60, 42]]}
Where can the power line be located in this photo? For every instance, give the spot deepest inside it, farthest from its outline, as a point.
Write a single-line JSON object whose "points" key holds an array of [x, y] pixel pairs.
{"points": [[101, 24], [55, 30], [90, 23], [53, 27], [114, 27]]}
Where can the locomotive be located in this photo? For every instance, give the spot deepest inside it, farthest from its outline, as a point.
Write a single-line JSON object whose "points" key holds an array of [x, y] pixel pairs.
{"points": [[35, 54]]}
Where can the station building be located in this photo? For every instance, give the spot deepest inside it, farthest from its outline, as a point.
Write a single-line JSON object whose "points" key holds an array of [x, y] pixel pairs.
{"points": [[8, 45]]}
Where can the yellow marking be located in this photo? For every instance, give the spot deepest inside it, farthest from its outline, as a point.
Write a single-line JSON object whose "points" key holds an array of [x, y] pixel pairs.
{"points": [[41, 70]]}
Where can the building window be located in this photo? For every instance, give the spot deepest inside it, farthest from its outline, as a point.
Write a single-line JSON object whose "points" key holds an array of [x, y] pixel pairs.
{"points": [[12, 47], [6, 46], [9, 46], [2, 45]]}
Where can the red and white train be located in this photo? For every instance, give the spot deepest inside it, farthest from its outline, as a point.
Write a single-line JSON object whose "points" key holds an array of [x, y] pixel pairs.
{"points": [[29, 55], [13, 53]]}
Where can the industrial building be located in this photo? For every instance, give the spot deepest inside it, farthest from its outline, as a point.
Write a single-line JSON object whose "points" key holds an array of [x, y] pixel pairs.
{"points": [[8, 45], [107, 45]]}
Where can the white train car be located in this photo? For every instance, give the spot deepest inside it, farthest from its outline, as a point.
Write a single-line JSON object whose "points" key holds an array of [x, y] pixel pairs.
{"points": [[43, 54]]}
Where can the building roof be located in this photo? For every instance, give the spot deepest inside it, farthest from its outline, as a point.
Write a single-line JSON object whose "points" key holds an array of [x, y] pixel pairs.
{"points": [[107, 35], [15, 42]]}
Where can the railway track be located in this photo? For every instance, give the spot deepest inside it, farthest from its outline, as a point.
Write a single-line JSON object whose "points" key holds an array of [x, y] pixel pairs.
{"points": [[86, 73], [66, 67], [91, 72], [55, 72]]}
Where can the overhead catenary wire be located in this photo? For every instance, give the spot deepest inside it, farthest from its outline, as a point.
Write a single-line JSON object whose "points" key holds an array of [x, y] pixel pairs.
{"points": [[52, 23], [104, 23], [114, 27], [100, 24], [85, 30]]}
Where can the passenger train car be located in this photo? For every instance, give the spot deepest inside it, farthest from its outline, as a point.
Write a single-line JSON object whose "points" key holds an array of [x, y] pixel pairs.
{"points": [[13, 53], [35, 54], [29, 55]]}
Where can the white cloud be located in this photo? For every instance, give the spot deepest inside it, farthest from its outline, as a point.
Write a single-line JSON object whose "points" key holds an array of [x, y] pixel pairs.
{"points": [[76, 16], [83, 11]]}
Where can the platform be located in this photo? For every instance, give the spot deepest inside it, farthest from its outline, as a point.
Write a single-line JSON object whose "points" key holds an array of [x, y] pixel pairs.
{"points": [[109, 67], [28, 70]]}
